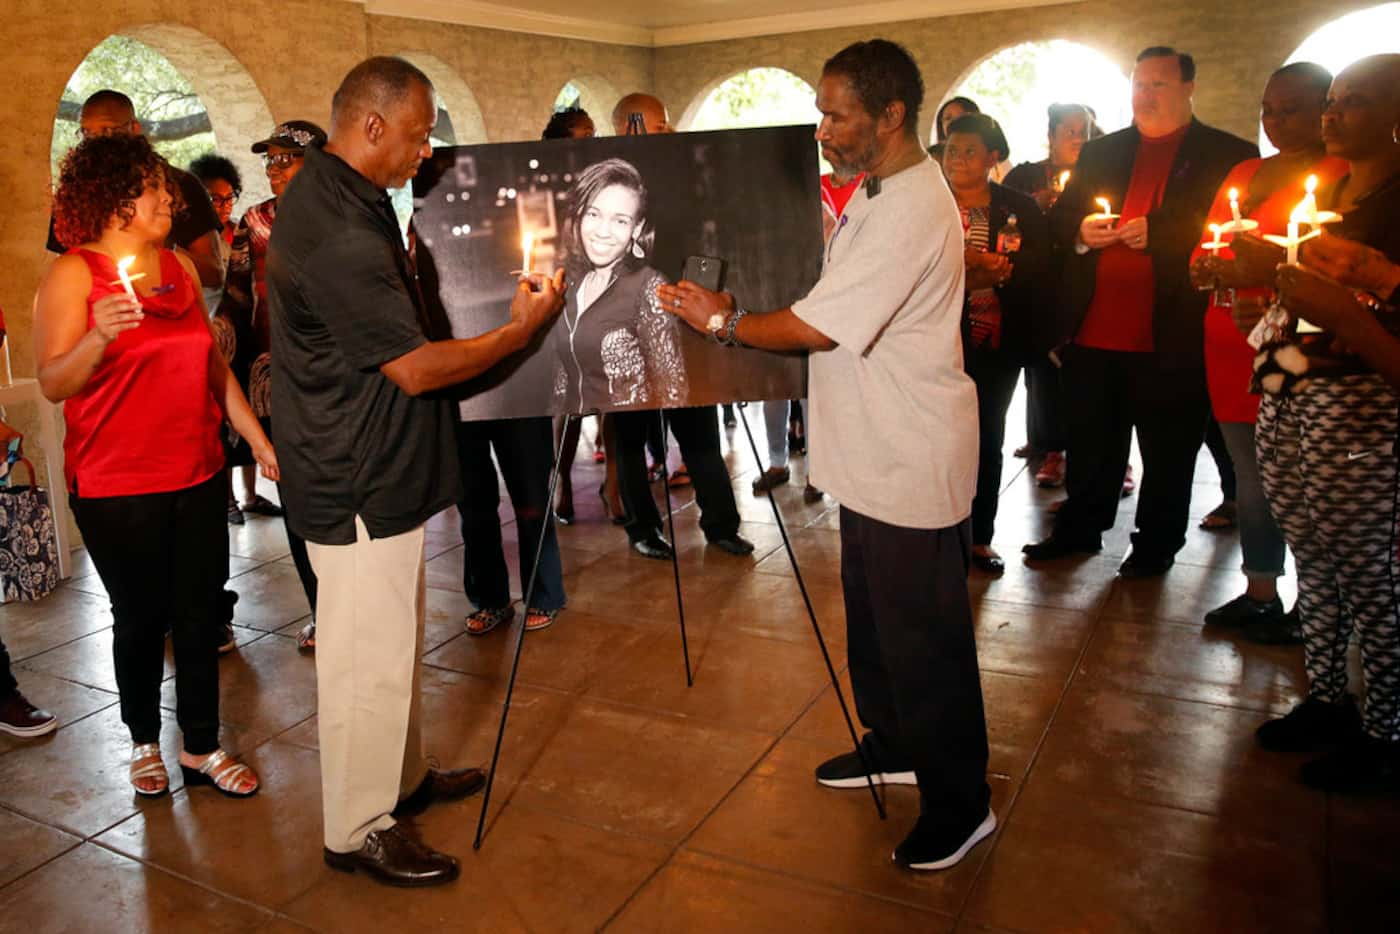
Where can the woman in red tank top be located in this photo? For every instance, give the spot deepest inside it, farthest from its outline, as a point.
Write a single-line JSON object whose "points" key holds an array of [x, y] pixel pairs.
{"points": [[1268, 189], [130, 353]]}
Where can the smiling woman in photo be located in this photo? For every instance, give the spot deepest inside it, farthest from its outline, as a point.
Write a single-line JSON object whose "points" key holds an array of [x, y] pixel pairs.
{"points": [[614, 345]]}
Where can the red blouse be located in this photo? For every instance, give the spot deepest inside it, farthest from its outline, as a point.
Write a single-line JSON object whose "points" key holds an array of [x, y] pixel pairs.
{"points": [[1229, 358], [146, 422]]}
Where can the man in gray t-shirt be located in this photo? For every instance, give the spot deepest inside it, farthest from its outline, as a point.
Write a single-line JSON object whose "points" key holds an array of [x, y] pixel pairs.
{"points": [[898, 421]]}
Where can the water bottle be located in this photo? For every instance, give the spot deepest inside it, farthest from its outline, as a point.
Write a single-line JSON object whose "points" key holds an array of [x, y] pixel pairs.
{"points": [[1009, 240]]}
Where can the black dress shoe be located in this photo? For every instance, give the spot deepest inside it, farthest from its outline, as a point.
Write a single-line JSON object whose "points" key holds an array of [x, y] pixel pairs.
{"points": [[1054, 547], [1138, 566], [988, 564], [653, 546], [735, 544], [441, 785], [393, 857]]}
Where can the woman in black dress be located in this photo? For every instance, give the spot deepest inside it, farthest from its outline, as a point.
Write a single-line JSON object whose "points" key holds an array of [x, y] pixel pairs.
{"points": [[615, 347]]}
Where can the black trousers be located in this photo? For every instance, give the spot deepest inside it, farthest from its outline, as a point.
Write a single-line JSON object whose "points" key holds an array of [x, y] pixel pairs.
{"points": [[913, 661], [995, 374], [8, 684], [697, 434], [1045, 423], [1108, 394], [295, 543], [525, 449], [163, 558]]}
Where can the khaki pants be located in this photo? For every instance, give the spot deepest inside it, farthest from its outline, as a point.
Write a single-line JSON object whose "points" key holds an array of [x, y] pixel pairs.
{"points": [[369, 645]]}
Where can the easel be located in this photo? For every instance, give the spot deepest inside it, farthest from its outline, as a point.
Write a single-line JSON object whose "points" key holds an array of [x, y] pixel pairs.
{"points": [[636, 126]]}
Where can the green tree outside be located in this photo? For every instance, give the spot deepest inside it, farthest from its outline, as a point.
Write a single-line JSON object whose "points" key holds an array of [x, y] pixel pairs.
{"points": [[171, 112]]}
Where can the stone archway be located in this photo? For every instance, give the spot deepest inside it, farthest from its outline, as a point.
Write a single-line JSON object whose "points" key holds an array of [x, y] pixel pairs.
{"points": [[454, 96], [788, 99], [1016, 83], [237, 111], [598, 96]]}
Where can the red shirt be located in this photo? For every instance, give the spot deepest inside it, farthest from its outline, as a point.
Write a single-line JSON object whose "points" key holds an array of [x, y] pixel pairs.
{"points": [[1229, 358], [1120, 314], [834, 198], [146, 422]]}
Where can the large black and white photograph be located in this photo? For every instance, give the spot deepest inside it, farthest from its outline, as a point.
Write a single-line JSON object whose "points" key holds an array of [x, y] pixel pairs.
{"points": [[737, 209]]}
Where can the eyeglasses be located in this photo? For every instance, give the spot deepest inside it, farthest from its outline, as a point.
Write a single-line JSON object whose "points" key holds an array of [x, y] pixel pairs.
{"points": [[223, 199], [281, 160], [118, 129]]}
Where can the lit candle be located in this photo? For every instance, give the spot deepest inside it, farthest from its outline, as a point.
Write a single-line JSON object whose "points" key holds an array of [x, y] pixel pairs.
{"points": [[1063, 180], [1103, 203], [1215, 243], [1308, 206], [123, 265], [1235, 205], [527, 243], [1293, 241]]}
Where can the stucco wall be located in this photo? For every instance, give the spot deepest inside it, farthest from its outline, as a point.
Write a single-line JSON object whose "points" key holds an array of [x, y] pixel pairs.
{"points": [[1236, 46]]}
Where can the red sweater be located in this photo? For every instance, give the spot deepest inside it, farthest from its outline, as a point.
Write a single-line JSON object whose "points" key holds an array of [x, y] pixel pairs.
{"points": [[1120, 314]]}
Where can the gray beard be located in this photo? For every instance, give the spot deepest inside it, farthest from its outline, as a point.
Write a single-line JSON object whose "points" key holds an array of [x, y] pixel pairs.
{"points": [[862, 162]]}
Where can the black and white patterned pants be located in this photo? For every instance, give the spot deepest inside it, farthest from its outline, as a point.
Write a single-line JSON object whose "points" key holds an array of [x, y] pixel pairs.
{"points": [[1328, 463]]}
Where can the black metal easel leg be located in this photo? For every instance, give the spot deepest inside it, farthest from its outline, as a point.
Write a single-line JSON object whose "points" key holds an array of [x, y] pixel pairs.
{"points": [[675, 558], [520, 638], [812, 615]]}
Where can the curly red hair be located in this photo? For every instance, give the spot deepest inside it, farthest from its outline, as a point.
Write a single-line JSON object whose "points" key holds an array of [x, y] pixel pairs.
{"points": [[101, 179]]}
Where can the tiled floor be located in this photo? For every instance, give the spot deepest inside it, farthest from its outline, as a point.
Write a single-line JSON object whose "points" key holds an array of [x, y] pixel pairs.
{"points": [[1130, 792]]}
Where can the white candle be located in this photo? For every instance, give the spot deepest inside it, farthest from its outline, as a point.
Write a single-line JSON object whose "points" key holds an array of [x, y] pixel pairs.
{"points": [[1215, 243], [1235, 205], [527, 244], [1292, 242], [122, 265]]}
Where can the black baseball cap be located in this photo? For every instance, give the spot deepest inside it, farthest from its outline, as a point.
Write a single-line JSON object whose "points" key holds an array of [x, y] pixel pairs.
{"points": [[294, 134]]}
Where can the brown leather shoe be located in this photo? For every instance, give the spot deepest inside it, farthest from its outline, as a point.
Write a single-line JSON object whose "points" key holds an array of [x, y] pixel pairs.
{"points": [[18, 717], [441, 785], [394, 857]]}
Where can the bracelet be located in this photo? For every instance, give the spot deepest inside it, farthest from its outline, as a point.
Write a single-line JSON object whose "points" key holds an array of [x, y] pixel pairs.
{"points": [[727, 336]]}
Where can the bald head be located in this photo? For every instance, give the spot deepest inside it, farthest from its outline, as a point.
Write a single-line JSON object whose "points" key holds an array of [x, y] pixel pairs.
{"points": [[382, 119], [108, 112], [381, 85], [654, 115], [1363, 109]]}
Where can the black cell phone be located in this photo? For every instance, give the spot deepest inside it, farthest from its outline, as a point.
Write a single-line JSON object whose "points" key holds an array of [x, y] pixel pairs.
{"points": [[705, 271]]}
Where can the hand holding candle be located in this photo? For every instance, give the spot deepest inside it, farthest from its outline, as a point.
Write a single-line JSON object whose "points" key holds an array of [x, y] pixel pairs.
{"points": [[124, 277]]}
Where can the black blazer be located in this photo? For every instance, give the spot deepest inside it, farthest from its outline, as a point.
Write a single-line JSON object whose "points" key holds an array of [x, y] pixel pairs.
{"points": [[1019, 328], [1104, 171]]}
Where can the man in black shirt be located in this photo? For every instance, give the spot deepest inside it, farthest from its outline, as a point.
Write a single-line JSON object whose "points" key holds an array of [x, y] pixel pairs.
{"points": [[369, 455], [196, 227]]}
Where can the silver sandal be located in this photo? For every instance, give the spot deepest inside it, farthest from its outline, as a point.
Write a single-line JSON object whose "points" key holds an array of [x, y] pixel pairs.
{"points": [[147, 763], [223, 772]]}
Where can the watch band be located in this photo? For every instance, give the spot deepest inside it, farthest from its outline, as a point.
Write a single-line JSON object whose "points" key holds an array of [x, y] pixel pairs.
{"points": [[728, 335]]}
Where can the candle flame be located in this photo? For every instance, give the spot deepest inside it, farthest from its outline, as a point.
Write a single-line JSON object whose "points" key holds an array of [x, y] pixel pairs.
{"points": [[1311, 184], [1103, 203], [125, 262], [1064, 178], [1234, 195], [527, 244], [1215, 229]]}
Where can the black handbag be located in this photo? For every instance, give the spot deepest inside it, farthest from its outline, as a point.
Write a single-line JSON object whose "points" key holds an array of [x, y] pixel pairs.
{"points": [[28, 543]]}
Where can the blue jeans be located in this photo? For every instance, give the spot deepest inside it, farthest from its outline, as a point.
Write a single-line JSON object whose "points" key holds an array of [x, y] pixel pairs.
{"points": [[1260, 539]]}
